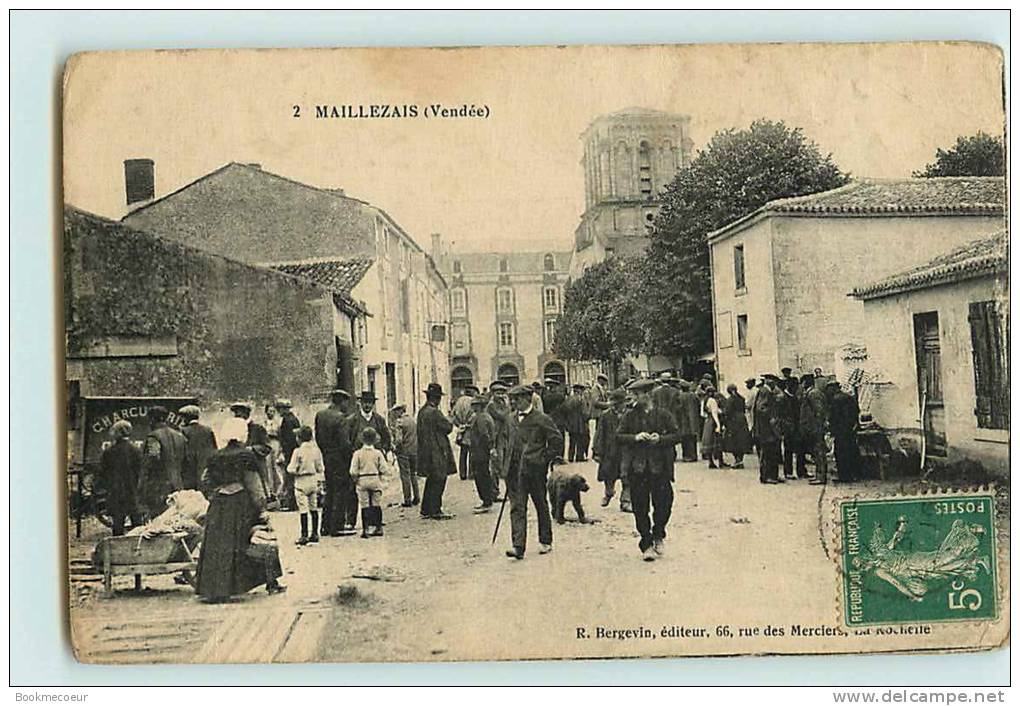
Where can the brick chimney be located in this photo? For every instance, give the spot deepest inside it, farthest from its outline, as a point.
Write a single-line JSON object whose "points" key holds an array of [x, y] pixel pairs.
{"points": [[139, 180]]}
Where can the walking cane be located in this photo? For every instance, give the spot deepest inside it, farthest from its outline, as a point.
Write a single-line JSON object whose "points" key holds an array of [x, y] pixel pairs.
{"points": [[499, 519]]}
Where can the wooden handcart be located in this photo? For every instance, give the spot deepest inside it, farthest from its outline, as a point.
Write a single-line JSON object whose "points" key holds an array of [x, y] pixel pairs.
{"points": [[140, 556]]}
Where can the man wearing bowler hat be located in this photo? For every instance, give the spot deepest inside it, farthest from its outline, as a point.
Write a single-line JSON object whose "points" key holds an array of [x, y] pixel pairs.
{"points": [[365, 417], [435, 455]]}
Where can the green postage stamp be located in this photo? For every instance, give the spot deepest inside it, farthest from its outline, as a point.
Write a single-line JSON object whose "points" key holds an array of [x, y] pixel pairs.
{"points": [[918, 560]]}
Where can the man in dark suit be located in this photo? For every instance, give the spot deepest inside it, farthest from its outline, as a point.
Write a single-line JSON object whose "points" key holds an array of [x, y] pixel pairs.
{"points": [[289, 424], [536, 444], [688, 419], [767, 429], [163, 461], [650, 435], [201, 444], [435, 455], [366, 417], [340, 509], [553, 397]]}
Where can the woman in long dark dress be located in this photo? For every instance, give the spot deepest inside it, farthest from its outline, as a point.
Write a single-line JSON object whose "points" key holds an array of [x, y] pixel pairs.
{"points": [[237, 503], [736, 437]]}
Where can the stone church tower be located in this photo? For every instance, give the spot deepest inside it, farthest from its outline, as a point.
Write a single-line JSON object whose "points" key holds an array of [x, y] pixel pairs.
{"points": [[629, 157]]}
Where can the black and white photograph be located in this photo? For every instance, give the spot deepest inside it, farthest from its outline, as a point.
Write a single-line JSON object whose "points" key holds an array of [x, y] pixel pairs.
{"points": [[520, 353]]}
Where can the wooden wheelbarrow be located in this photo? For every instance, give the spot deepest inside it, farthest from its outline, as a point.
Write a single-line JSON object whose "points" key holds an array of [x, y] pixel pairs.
{"points": [[144, 556]]}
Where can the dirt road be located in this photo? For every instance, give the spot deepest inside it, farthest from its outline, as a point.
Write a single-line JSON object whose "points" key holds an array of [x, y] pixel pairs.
{"points": [[747, 566]]}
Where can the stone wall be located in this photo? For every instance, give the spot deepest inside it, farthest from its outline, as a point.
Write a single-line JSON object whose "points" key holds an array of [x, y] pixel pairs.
{"points": [[223, 330]]}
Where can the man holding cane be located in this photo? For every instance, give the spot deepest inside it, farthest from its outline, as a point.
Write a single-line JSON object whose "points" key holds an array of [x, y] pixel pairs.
{"points": [[536, 443]]}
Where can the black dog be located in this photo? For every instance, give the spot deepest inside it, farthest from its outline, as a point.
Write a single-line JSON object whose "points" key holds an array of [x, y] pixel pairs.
{"points": [[563, 486]]}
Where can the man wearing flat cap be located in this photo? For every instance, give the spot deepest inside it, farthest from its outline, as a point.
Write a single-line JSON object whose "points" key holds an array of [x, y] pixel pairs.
{"points": [[649, 436], [575, 425], [553, 397], [606, 450], [462, 414], [435, 455], [536, 444], [289, 424], [481, 435], [499, 409], [340, 509], [201, 445], [405, 445], [164, 450], [767, 429]]}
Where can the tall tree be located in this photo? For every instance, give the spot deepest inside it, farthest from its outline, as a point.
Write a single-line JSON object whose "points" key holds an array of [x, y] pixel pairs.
{"points": [[977, 155], [601, 319], [738, 172]]}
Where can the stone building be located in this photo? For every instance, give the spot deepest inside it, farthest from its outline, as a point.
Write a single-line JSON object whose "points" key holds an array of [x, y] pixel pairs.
{"points": [[503, 311], [936, 340], [356, 248], [780, 276], [150, 317], [629, 157]]}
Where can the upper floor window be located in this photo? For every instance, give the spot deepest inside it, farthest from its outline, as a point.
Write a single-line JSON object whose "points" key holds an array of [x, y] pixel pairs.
{"points": [[550, 298], [506, 334], [549, 263], [742, 333], [458, 301], [550, 333], [738, 267], [504, 265], [505, 301], [456, 266]]}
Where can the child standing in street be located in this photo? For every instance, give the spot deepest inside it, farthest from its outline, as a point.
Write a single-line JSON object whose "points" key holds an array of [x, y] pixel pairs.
{"points": [[368, 469], [309, 474]]}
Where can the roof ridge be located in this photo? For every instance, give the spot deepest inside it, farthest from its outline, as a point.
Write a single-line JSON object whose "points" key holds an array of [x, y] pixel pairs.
{"points": [[971, 259], [322, 260], [250, 167]]}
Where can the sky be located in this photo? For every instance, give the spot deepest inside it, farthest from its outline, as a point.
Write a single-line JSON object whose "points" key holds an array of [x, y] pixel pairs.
{"points": [[511, 181]]}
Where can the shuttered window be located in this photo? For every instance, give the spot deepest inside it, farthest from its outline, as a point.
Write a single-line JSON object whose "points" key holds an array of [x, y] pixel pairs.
{"points": [[991, 371]]}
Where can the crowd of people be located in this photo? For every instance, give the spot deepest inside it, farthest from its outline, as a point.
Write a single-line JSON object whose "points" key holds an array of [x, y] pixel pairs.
{"points": [[509, 439]]}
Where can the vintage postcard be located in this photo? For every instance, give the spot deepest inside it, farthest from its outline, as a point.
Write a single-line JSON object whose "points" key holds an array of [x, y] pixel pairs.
{"points": [[512, 353]]}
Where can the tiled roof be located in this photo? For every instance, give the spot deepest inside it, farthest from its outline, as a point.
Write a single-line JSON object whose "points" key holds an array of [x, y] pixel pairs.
{"points": [[883, 197], [940, 194], [985, 256], [340, 276]]}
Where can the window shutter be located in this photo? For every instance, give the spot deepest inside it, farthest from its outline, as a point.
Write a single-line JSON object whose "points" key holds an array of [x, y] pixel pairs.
{"points": [[991, 375]]}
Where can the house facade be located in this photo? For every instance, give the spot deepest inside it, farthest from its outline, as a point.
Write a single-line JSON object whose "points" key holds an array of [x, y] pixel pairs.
{"points": [[937, 352], [150, 317], [245, 212], [780, 276], [503, 313]]}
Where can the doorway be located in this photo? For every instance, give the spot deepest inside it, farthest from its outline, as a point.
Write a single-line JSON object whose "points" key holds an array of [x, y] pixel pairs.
{"points": [[928, 356], [391, 385]]}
